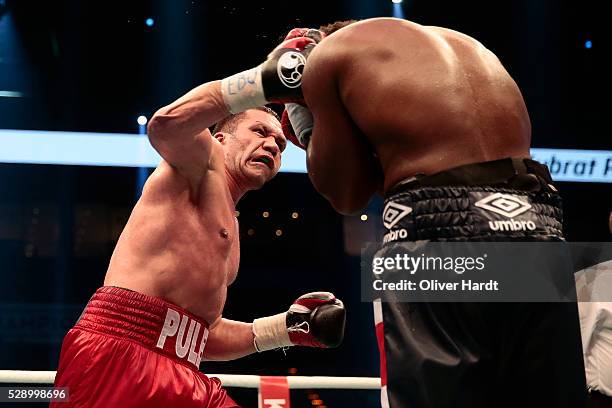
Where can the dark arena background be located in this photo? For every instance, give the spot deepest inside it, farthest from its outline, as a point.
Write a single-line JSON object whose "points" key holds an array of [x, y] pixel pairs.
{"points": [[94, 67]]}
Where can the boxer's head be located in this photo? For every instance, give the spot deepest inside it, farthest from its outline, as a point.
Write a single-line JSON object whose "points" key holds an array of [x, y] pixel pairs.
{"points": [[252, 142], [333, 27], [610, 222], [317, 35]]}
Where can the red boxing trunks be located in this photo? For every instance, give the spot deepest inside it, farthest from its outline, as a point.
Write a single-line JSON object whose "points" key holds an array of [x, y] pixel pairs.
{"points": [[134, 350]]}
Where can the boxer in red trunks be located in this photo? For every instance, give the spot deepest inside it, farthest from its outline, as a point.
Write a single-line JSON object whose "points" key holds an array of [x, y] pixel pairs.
{"points": [[142, 336]]}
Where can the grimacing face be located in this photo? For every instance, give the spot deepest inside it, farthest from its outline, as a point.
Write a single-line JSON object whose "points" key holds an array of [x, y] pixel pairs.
{"points": [[253, 151]]}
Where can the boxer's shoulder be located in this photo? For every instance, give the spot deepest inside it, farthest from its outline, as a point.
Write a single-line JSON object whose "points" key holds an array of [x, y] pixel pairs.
{"points": [[364, 41], [381, 31]]}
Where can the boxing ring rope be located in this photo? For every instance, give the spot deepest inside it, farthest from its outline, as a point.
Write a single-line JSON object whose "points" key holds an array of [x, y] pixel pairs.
{"points": [[228, 380]]}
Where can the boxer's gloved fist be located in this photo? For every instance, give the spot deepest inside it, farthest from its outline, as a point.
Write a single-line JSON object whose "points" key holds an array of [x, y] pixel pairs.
{"points": [[278, 79], [311, 33], [314, 320], [296, 120], [281, 73], [297, 124]]}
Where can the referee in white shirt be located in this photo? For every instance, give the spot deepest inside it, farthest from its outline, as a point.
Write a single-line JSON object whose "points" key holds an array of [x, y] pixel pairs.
{"points": [[594, 288]]}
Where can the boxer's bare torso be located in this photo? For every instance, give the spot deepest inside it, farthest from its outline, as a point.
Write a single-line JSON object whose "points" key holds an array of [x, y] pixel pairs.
{"points": [[422, 99], [182, 248]]}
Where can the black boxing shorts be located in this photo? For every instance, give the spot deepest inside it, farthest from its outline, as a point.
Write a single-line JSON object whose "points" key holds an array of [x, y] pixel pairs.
{"points": [[489, 355]]}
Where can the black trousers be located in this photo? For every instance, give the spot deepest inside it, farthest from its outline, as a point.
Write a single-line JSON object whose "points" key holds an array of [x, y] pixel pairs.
{"points": [[598, 400]]}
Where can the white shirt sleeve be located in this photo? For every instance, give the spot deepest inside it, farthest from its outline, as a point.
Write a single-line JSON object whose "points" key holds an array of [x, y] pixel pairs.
{"points": [[594, 289]]}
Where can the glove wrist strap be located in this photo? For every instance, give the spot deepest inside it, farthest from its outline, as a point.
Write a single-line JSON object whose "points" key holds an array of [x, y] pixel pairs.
{"points": [[243, 90], [301, 121], [271, 332]]}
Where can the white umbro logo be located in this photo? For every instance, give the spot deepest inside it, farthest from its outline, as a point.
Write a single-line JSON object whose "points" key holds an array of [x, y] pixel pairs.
{"points": [[504, 204], [393, 213]]}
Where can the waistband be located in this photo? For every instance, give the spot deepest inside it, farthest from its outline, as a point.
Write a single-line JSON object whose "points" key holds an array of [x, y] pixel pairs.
{"points": [[149, 321], [508, 199], [519, 173]]}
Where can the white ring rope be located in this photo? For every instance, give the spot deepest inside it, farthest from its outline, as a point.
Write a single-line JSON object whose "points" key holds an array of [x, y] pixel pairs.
{"points": [[228, 380]]}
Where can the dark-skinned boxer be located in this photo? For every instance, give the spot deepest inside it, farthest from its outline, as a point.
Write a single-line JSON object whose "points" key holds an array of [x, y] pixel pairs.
{"points": [[430, 117]]}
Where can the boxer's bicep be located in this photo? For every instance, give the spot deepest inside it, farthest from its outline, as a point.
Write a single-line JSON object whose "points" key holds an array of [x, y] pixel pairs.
{"points": [[189, 155], [340, 162], [179, 131]]}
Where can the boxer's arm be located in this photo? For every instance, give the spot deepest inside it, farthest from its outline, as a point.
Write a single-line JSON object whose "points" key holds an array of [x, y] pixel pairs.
{"points": [[179, 132], [315, 319], [341, 163], [229, 340]]}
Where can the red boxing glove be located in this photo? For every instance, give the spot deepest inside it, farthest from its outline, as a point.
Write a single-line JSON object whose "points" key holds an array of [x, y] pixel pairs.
{"points": [[311, 33], [297, 123], [288, 130], [277, 80], [316, 319], [298, 43], [281, 74]]}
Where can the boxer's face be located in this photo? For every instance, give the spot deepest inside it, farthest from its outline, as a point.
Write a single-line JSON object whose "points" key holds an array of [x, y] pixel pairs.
{"points": [[253, 152]]}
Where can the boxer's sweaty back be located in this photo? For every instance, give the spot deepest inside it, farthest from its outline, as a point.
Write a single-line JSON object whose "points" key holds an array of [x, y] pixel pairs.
{"points": [[426, 98]]}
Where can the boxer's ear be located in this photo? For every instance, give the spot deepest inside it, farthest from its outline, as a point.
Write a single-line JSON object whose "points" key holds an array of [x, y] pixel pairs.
{"points": [[220, 137]]}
